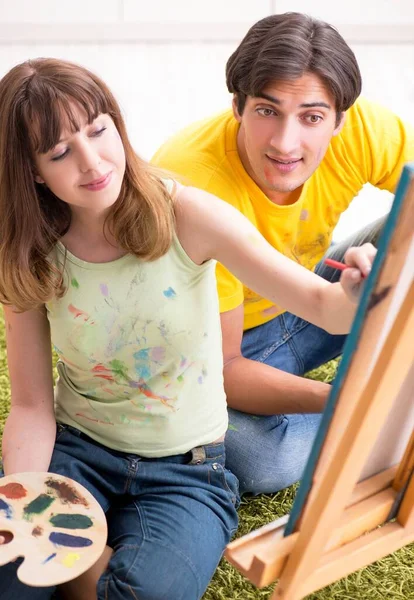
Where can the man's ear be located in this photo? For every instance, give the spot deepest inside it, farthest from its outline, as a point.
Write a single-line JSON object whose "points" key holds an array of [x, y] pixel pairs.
{"points": [[341, 123], [38, 179], [235, 109]]}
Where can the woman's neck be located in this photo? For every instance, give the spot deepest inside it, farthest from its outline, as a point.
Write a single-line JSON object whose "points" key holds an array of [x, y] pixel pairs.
{"points": [[91, 241]]}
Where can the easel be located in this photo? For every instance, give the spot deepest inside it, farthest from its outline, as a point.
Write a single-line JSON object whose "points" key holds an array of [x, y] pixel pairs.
{"points": [[334, 526]]}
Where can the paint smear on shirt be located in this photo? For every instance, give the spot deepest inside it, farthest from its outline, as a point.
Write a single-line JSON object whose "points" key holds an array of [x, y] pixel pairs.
{"points": [[79, 314], [104, 290]]}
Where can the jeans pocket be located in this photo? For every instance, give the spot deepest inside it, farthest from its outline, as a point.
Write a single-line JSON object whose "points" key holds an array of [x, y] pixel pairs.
{"points": [[218, 474]]}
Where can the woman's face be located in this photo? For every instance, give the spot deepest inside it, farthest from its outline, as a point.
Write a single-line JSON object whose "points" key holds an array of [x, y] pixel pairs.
{"points": [[86, 168]]}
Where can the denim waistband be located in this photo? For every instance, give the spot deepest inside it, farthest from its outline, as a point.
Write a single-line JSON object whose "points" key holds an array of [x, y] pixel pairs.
{"points": [[197, 455]]}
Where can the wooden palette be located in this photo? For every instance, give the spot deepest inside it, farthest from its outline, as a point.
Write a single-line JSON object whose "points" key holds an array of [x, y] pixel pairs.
{"points": [[57, 526]]}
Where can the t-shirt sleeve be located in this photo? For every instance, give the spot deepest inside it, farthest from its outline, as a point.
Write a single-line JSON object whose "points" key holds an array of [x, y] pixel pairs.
{"points": [[230, 289], [207, 175], [389, 144]]}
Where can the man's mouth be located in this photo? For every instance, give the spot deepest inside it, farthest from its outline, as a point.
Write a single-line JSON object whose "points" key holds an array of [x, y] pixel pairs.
{"points": [[289, 161], [284, 165]]}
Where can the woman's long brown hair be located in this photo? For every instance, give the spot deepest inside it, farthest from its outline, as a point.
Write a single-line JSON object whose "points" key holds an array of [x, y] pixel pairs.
{"points": [[34, 98]]}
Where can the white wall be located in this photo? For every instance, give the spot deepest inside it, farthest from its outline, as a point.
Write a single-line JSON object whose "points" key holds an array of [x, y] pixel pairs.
{"points": [[165, 59]]}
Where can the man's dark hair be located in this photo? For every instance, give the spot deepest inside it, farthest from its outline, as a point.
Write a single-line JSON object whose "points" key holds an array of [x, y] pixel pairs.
{"points": [[286, 46]]}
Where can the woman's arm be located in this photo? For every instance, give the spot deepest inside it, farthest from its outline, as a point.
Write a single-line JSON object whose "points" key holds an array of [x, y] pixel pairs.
{"points": [[30, 429], [210, 228]]}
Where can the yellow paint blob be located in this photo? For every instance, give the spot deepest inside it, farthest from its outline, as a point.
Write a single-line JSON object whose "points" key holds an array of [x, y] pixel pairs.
{"points": [[70, 559]]}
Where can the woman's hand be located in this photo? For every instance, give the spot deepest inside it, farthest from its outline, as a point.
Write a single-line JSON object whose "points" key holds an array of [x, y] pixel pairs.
{"points": [[359, 259]]}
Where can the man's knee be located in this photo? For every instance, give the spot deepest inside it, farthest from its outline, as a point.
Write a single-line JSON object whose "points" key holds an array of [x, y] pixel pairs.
{"points": [[268, 480], [271, 454]]}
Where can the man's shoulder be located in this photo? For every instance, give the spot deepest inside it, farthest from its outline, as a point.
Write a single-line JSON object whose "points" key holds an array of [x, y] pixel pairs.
{"points": [[371, 148], [204, 137], [365, 117], [198, 153]]}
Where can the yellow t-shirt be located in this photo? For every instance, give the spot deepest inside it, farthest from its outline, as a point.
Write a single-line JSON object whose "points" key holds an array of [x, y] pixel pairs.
{"points": [[372, 148]]}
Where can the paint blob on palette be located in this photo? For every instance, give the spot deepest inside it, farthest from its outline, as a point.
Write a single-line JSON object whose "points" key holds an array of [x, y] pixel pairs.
{"points": [[57, 526]]}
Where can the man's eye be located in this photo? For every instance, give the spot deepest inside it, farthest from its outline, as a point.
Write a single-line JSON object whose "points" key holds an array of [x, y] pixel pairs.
{"points": [[313, 119], [266, 112]]}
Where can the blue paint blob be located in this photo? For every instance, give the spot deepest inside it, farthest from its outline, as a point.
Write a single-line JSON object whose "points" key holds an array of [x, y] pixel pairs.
{"points": [[70, 541], [7, 509], [49, 558], [170, 293]]}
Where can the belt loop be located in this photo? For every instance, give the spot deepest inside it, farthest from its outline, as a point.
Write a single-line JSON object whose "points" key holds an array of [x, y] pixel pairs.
{"points": [[198, 455]]}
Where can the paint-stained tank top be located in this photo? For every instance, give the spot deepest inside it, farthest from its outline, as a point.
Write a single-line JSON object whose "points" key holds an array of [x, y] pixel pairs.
{"points": [[139, 347]]}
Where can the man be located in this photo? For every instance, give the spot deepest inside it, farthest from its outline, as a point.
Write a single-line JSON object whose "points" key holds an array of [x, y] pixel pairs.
{"points": [[294, 151]]}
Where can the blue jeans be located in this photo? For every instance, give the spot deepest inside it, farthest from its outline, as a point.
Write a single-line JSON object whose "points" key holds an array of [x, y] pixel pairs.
{"points": [[169, 519], [269, 453]]}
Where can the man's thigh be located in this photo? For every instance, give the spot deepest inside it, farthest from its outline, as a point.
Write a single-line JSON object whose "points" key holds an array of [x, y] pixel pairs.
{"points": [[291, 344]]}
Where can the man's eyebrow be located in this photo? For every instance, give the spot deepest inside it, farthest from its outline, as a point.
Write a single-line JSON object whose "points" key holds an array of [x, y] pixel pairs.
{"points": [[274, 100], [316, 104]]}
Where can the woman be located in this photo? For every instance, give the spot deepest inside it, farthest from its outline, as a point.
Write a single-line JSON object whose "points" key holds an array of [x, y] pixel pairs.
{"points": [[115, 263]]}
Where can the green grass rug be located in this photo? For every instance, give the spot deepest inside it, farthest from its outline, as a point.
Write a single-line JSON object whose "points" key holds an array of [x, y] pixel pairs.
{"points": [[391, 578]]}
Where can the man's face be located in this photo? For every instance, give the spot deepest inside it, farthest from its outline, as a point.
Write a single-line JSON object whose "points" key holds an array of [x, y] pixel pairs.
{"points": [[285, 133]]}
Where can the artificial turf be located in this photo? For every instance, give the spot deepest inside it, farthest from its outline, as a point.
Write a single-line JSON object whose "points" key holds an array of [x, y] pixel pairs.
{"points": [[391, 578]]}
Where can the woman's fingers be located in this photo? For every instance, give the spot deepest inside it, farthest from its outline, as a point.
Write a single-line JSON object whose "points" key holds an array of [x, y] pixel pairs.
{"points": [[361, 258]]}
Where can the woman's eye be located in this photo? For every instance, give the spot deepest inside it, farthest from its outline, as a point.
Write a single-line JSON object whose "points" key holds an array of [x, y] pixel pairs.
{"points": [[99, 132], [60, 156]]}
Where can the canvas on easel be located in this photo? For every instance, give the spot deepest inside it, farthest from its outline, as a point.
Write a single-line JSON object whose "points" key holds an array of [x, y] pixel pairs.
{"points": [[355, 503]]}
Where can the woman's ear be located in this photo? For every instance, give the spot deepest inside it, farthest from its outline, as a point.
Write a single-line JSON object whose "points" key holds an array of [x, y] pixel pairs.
{"points": [[38, 179]]}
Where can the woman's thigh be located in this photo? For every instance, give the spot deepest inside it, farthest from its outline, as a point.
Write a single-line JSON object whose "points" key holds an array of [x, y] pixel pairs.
{"points": [[170, 537]]}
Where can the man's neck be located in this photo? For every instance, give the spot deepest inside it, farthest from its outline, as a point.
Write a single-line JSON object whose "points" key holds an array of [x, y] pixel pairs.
{"points": [[284, 198]]}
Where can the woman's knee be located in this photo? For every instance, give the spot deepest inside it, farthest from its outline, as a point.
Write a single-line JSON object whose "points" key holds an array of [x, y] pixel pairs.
{"points": [[150, 575]]}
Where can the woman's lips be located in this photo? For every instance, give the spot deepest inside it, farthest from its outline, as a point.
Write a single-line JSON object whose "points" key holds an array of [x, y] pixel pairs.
{"points": [[98, 184]]}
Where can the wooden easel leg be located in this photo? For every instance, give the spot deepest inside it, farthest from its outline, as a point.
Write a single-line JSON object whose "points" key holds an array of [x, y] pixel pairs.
{"points": [[406, 513]]}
